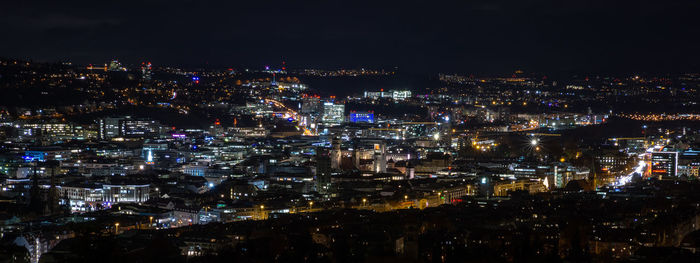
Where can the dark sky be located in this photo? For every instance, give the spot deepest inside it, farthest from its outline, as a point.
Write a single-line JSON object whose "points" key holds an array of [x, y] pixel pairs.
{"points": [[417, 36]]}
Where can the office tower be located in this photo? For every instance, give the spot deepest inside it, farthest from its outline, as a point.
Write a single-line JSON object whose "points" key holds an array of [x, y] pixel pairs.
{"points": [[336, 152], [146, 72], [109, 128], [311, 105], [664, 164], [333, 114]]}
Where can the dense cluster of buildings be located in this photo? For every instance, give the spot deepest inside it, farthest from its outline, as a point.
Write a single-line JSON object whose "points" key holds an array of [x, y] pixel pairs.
{"points": [[163, 150]]}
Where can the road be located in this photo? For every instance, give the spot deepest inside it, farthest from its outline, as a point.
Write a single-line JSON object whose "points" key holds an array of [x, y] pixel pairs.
{"points": [[639, 168], [290, 113]]}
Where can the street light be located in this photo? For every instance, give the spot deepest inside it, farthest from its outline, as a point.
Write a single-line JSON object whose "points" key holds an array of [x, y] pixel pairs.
{"points": [[262, 212], [116, 228], [534, 142], [311, 204], [364, 201]]}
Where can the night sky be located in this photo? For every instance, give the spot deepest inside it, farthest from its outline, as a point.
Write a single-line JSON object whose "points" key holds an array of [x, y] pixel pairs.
{"points": [[416, 36]]}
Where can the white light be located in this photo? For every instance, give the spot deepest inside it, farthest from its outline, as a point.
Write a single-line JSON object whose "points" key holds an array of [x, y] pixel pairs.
{"points": [[533, 142], [436, 136]]}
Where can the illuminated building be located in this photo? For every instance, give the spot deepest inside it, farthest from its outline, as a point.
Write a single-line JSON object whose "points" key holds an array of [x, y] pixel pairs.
{"points": [[195, 170], [379, 157], [114, 65], [125, 193], [333, 114], [362, 117], [612, 161], [150, 150], [81, 198], [400, 94], [690, 169], [146, 72], [128, 127], [689, 163], [336, 153], [249, 131], [49, 129], [109, 128], [664, 164], [139, 127], [531, 186], [392, 94], [310, 105], [85, 198]]}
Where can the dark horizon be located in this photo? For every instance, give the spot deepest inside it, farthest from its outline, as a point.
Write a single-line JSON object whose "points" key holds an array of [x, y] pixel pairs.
{"points": [[415, 36]]}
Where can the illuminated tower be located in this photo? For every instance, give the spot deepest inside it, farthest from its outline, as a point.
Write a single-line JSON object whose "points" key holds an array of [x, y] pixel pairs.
{"points": [[336, 153], [146, 70], [379, 157], [149, 157], [114, 65]]}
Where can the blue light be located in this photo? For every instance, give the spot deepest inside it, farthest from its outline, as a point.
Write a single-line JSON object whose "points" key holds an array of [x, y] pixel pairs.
{"points": [[362, 117]]}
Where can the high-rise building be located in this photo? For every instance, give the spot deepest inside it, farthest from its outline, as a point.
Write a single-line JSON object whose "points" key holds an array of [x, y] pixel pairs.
{"points": [[379, 157], [139, 127], [109, 128], [323, 170], [664, 164], [146, 72], [336, 153], [333, 114], [310, 105], [128, 127]]}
